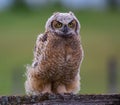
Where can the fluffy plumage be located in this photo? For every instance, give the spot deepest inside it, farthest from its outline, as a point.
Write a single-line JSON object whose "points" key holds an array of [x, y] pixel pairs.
{"points": [[57, 57]]}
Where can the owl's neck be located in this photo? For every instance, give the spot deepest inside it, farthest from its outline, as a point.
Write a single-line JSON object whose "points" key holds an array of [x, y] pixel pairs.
{"points": [[61, 42]]}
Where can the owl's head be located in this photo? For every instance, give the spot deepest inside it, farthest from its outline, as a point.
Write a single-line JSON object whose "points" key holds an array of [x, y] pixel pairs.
{"points": [[63, 24]]}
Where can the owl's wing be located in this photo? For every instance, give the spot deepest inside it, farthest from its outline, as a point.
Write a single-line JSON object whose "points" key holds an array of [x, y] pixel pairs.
{"points": [[39, 48]]}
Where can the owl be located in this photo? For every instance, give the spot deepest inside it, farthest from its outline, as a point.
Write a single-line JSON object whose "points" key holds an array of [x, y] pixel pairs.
{"points": [[58, 55]]}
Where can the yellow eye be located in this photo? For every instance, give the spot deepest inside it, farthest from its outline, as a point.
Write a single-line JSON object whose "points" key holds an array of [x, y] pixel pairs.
{"points": [[57, 24], [72, 24]]}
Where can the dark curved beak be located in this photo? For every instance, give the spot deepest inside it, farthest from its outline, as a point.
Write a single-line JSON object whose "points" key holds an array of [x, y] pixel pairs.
{"points": [[65, 29]]}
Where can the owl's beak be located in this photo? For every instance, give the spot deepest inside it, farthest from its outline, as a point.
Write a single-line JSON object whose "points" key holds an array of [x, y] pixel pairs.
{"points": [[65, 29]]}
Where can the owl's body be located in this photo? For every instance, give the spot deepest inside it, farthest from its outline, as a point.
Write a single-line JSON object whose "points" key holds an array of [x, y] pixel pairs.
{"points": [[56, 64]]}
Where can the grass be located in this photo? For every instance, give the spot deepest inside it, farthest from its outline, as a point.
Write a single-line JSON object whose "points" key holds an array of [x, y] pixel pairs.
{"points": [[18, 31]]}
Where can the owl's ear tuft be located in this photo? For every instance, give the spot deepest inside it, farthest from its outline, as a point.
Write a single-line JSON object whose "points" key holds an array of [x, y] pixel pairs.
{"points": [[71, 13], [55, 13]]}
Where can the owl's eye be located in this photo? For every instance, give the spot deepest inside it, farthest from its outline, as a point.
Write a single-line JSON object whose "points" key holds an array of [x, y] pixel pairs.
{"points": [[57, 24], [72, 24]]}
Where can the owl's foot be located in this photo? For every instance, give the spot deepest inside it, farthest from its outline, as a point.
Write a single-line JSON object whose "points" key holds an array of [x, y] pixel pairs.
{"points": [[61, 89]]}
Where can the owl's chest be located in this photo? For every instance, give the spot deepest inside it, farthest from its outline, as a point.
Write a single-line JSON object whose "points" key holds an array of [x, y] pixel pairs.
{"points": [[63, 54], [61, 59]]}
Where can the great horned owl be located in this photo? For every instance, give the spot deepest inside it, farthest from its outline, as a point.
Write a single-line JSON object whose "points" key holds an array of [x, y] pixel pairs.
{"points": [[58, 55]]}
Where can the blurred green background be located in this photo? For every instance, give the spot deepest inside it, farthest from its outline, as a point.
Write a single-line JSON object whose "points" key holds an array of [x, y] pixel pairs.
{"points": [[100, 32]]}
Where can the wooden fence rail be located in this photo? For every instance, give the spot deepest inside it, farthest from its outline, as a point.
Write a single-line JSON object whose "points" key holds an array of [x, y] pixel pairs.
{"points": [[61, 99]]}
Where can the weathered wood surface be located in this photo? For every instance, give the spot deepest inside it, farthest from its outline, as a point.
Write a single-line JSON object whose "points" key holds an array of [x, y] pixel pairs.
{"points": [[61, 99]]}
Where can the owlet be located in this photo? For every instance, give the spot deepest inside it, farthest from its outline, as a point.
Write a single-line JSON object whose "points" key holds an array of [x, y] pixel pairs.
{"points": [[58, 55]]}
